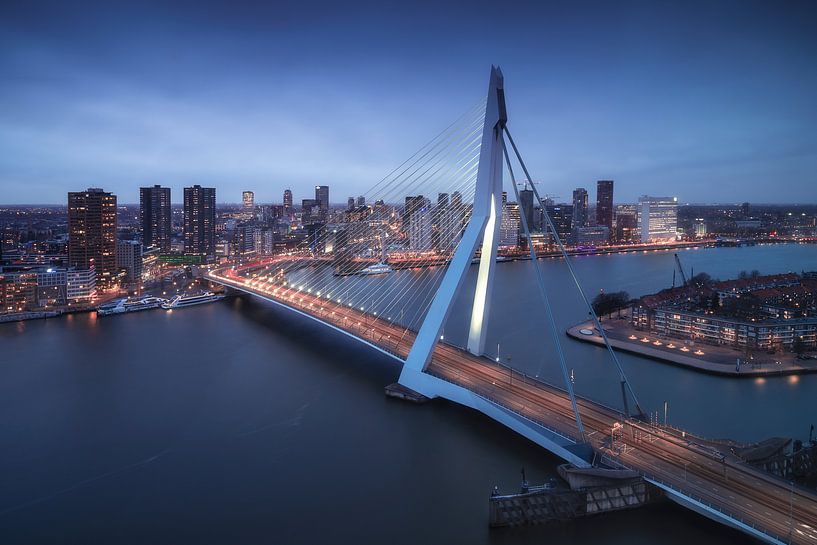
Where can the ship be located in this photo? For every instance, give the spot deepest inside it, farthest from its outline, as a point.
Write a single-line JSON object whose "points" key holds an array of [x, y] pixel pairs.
{"points": [[121, 306], [181, 301], [377, 268]]}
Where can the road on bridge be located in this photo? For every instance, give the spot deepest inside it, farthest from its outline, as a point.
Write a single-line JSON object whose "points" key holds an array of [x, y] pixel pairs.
{"points": [[675, 459]]}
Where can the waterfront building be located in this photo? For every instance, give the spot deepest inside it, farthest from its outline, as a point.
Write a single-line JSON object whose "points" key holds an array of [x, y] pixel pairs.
{"points": [[155, 217], [526, 206], [561, 215], [420, 225], [412, 203], [200, 220], [80, 286], [18, 291], [579, 207], [626, 224], [510, 224], [699, 228], [764, 313], [658, 218], [598, 234], [92, 233], [604, 204], [51, 286], [129, 257]]}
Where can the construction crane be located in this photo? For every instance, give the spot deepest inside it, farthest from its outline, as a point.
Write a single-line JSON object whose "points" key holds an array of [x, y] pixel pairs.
{"points": [[681, 269]]}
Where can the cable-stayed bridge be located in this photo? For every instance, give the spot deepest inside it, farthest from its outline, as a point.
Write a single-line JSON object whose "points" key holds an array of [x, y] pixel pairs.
{"points": [[346, 278]]}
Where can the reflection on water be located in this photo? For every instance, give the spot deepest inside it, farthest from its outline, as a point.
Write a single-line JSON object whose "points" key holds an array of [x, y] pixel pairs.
{"points": [[83, 402]]}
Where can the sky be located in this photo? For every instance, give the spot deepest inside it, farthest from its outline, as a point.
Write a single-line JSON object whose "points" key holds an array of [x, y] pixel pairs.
{"points": [[707, 101]]}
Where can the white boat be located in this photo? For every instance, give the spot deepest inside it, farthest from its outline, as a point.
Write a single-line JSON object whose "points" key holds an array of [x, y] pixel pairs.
{"points": [[181, 301], [121, 306], [377, 268]]}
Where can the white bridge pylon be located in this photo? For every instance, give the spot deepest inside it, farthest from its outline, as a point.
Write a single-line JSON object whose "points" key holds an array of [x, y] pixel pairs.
{"points": [[483, 227]]}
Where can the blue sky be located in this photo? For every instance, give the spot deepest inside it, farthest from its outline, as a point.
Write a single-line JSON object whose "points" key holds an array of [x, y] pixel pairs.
{"points": [[708, 101]]}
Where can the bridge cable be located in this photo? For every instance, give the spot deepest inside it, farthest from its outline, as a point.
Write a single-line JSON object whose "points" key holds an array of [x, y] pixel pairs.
{"points": [[625, 384], [546, 299]]}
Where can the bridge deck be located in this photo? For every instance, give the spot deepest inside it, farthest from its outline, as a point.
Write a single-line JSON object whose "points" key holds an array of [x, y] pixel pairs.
{"points": [[686, 465]]}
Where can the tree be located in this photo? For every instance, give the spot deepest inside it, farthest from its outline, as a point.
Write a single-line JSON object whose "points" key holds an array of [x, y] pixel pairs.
{"points": [[700, 280], [607, 303]]}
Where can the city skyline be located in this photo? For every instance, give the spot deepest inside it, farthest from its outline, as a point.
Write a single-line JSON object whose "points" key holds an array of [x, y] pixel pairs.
{"points": [[658, 112]]}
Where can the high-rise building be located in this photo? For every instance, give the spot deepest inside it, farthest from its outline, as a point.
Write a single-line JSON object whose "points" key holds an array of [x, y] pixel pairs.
{"points": [[658, 218], [129, 257], [510, 224], [561, 215], [350, 203], [322, 196], [626, 223], [526, 205], [248, 202], [420, 224], [604, 204], [92, 233], [744, 209], [155, 216], [200, 220], [579, 207], [288, 203], [310, 211], [361, 200], [412, 203]]}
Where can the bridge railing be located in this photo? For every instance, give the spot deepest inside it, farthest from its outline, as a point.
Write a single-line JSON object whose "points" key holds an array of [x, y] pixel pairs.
{"points": [[699, 499], [487, 395]]}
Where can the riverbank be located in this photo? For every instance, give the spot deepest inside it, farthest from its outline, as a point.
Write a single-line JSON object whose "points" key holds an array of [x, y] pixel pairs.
{"points": [[715, 360]]}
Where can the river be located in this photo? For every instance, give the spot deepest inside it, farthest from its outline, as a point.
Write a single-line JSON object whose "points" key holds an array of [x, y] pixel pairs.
{"points": [[240, 423]]}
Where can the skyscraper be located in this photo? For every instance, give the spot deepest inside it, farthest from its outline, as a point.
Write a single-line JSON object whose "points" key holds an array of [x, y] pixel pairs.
{"points": [[322, 196], [92, 233], [413, 203], [579, 207], [420, 225], [154, 215], [288, 203], [526, 205], [248, 202], [200, 220], [604, 204]]}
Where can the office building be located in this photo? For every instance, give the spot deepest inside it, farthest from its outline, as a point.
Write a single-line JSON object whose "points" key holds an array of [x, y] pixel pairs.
{"points": [[129, 257], [604, 204], [155, 217], [361, 200], [658, 218], [200, 220], [92, 233], [350, 203], [579, 207]]}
